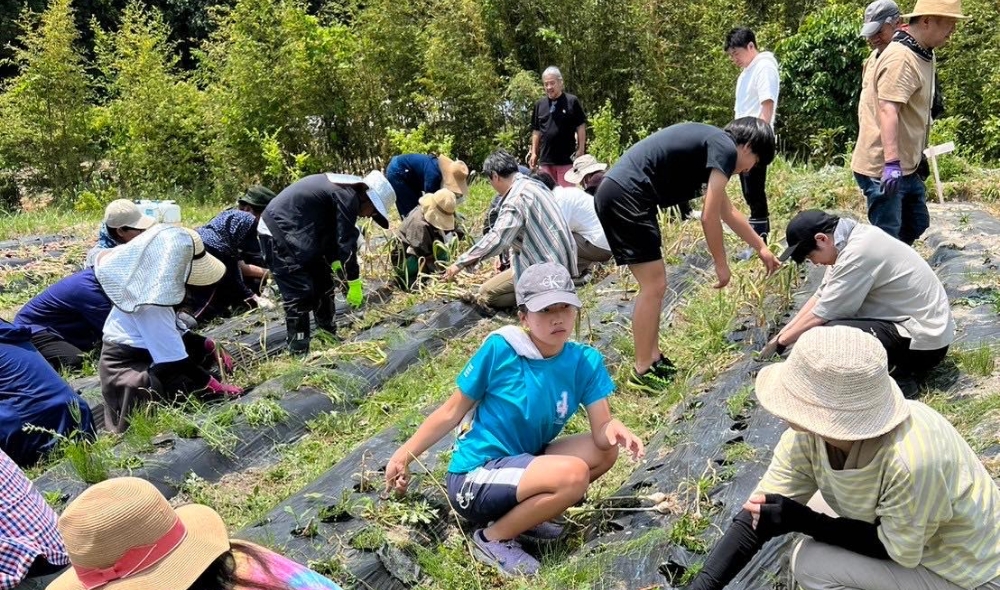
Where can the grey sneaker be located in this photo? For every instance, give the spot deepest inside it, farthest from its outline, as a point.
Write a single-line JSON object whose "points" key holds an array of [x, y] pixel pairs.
{"points": [[543, 533], [507, 556]]}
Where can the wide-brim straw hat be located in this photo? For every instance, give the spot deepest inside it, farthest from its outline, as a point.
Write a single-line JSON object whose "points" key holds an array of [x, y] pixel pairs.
{"points": [[205, 268], [952, 8], [454, 175], [836, 384], [582, 166], [439, 209], [122, 534]]}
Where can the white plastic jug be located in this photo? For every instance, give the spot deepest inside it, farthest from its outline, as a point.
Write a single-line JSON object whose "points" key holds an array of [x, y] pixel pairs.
{"points": [[162, 211]]}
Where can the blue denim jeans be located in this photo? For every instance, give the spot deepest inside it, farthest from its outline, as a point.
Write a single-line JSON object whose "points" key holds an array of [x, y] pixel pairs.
{"points": [[903, 216]]}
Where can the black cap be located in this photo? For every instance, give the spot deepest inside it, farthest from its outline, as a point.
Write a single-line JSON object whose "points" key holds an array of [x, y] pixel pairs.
{"points": [[801, 233]]}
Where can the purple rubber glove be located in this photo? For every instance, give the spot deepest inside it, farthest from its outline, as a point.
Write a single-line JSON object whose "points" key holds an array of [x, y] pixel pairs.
{"points": [[227, 361], [223, 389], [891, 174]]}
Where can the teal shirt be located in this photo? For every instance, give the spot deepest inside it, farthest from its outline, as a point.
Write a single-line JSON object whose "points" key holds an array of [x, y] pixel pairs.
{"points": [[523, 404]]}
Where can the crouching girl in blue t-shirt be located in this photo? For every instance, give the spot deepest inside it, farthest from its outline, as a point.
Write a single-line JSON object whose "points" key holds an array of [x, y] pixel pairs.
{"points": [[522, 387]]}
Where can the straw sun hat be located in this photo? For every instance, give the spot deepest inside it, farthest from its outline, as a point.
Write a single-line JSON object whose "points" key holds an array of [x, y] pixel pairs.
{"points": [[835, 384], [582, 166], [205, 268], [952, 8], [454, 175], [122, 534], [439, 209]]}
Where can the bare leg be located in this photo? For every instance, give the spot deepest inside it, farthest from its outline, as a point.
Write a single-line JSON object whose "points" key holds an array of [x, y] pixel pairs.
{"points": [[652, 278], [552, 483]]}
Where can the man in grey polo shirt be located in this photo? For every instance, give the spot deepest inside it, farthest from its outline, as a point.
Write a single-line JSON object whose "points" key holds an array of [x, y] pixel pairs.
{"points": [[875, 283]]}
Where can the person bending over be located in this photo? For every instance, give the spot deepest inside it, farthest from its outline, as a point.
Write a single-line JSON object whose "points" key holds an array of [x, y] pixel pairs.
{"points": [[874, 283]]}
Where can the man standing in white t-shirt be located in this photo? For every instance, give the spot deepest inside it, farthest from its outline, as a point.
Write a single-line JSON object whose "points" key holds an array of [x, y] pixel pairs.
{"points": [[756, 96]]}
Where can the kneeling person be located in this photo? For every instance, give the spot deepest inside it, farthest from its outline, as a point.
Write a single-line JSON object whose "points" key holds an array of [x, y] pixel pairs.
{"points": [[520, 389], [421, 240], [916, 507], [875, 283]]}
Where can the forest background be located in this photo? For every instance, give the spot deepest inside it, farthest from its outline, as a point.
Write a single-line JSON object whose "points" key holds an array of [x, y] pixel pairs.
{"points": [[196, 99]]}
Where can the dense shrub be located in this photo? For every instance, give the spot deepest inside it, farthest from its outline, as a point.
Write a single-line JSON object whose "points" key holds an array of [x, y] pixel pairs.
{"points": [[150, 97], [820, 83], [153, 121], [45, 110]]}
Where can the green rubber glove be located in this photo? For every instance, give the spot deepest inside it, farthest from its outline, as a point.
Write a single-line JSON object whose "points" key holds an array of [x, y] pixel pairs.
{"points": [[354, 294], [336, 266]]}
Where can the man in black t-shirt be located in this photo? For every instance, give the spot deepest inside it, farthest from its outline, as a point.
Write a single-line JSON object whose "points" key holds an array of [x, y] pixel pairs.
{"points": [[666, 169], [558, 129]]}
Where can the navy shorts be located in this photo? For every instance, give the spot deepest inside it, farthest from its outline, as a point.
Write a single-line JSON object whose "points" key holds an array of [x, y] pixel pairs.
{"points": [[488, 492]]}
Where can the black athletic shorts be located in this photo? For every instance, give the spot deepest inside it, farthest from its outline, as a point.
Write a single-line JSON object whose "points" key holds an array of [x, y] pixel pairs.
{"points": [[629, 223]]}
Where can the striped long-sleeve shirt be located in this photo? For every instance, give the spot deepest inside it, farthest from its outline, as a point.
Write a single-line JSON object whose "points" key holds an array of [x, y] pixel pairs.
{"points": [[531, 225], [935, 503]]}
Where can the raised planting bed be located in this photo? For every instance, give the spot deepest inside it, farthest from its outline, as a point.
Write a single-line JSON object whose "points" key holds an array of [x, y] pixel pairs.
{"points": [[243, 441]]}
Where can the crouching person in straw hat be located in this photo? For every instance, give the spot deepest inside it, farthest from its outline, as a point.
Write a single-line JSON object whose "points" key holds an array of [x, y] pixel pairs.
{"points": [[313, 226], [145, 354], [421, 242], [516, 394], [875, 283], [916, 507], [122, 534], [412, 175]]}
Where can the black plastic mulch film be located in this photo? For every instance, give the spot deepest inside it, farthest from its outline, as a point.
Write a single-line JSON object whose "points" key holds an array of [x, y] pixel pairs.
{"points": [[167, 468]]}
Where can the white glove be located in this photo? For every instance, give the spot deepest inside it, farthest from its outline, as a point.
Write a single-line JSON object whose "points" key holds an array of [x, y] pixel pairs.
{"points": [[263, 302]]}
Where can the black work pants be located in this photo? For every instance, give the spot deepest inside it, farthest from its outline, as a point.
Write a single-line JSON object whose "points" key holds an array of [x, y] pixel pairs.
{"points": [[302, 286], [903, 362], [58, 352], [754, 194]]}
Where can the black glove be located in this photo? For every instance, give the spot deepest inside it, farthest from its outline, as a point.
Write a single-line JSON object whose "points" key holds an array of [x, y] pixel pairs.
{"points": [[780, 515]]}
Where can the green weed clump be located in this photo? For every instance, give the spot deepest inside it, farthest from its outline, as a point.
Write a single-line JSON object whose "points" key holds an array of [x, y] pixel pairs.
{"points": [[979, 361]]}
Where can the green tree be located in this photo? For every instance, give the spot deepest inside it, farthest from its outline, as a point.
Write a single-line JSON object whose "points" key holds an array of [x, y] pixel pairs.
{"points": [[45, 110], [820, 83], [970, 79], [153, 119], [277, 84]]}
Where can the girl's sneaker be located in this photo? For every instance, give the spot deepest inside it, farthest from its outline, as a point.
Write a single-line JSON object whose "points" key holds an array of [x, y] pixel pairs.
{"points": [[543, 533], [507, 556]]}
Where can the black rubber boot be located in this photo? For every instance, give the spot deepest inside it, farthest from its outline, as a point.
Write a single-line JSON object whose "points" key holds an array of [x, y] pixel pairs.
{"points": [[761, 226], [298, 334], [326, 312]]}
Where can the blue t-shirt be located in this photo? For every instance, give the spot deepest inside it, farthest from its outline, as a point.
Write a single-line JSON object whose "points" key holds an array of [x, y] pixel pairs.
{"points": [[523, 404], [73, 309]]}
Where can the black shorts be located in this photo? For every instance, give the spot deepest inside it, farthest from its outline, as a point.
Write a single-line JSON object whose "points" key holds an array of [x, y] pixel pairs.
{"points": [[629, 223]]}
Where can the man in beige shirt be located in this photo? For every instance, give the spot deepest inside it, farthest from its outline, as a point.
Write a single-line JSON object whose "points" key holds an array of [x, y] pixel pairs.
{"points": [[873, 283], [894, 118]]}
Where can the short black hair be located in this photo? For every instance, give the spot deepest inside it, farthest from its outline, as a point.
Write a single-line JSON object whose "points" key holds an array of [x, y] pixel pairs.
{"points": [[740, 38], [755, 133], [545, 178], [501, 163]]}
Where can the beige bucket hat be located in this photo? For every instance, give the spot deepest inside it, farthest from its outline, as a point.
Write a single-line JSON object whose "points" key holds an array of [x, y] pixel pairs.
{"points": [[952, 8], [454, 175], [125, 213], [122, 534], [836, 384], [439, 209], [582, 166]]}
